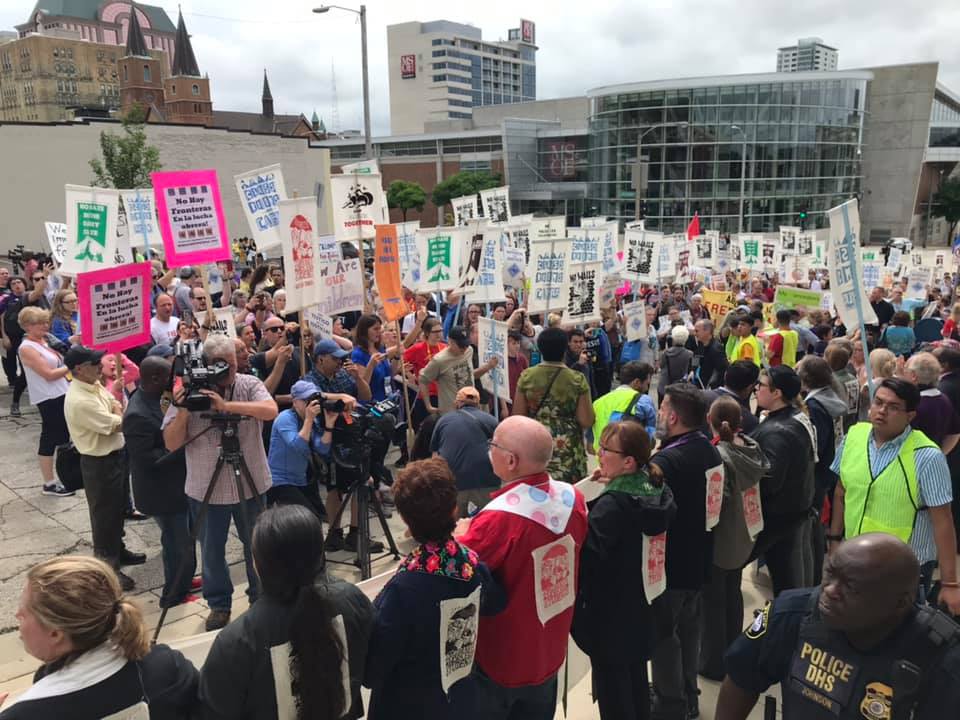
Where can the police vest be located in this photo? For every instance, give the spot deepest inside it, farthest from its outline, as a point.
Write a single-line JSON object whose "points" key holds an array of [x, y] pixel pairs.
{"points": [[887, 502], [791, 340], [752, 341], [622, 401]]}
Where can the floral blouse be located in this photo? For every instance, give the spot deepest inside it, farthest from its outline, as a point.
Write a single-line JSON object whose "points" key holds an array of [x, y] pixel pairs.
{"points": [[449, 559]]}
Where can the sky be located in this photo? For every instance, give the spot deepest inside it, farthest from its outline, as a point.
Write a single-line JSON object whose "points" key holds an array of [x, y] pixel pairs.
{"points": [[582, 45]]}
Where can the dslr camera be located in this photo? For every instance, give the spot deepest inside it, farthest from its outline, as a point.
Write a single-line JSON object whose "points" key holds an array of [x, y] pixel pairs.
{"points": [[361, 440], [190, 364]]}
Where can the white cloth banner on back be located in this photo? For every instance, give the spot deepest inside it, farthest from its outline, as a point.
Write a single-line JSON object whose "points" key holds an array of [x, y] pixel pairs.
{"points": [[635, 318], [409, 257], [714, 478], [582, 294], [653, 555], [56, 239], [142, 228], [223, 323], [341, 287], [845, 265], [439, 251], [465, 210], [358, 206], [260, 192], [91, 229], [496, 204], [548, 271], [641, 255], [554, 574], [298, 222], [488, 284], [492, 343], [593, 222], [459, 622]]}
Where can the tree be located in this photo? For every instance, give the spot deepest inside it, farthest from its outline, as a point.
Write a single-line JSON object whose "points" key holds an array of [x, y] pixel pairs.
{"points": [[947, 204], [406, 196], [127, 159], [464, 183]]}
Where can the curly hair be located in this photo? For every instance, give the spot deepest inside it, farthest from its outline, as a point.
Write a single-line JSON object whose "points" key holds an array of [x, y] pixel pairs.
{"points": [[426, 496]]}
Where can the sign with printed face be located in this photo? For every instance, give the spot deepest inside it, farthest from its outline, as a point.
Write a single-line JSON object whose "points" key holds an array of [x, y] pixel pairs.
{"points": [[340, 287], [408, 66], [358, 206], [753, 511], [642, 256], [298, 222], [714, 478], [439, 250], [582, 293], [554, 571], [788, 239], [459, 623], [92, 216], [386, 270], [492, 342], [115, 306], [635, 318], [143, 230], [496, 204], [653, 555], [260, 193], [704, 246], [465, 210], [192, 222], [548, 272]]}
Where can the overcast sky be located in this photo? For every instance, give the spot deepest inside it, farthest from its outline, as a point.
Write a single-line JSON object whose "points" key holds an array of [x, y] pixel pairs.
{"points": [[582, 44]]}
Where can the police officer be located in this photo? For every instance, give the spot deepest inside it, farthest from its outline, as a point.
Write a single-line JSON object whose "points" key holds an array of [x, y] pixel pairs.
{"points": [[857, 646]]}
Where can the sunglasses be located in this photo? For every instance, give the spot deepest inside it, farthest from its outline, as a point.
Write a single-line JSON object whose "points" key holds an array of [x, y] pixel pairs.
{"points": [[273, 329]]}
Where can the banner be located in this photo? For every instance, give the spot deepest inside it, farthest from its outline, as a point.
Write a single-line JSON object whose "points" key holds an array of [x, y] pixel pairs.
{"points": [[718, 304], [409, 257], [91, 228], [115, 306], [487, 286], [788, 239], [260, 194], [492, 342], [386, 272], [191, 217], [548, 228], [750, 252], [328, 248], [321, 325], [793, 298], [341, 287], [439, 250], [642, 256], [583, 293], [918, 279], [465, 210], [56, 239], [496, 204], [358, 206], [843, 260], [298, 221], [223, 323], [549, 268], [635, 319], [583, 247], [143, 230]]}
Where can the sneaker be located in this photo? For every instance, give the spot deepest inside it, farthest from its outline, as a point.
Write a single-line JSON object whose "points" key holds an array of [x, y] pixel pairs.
{"points": [[217, 619], [196, 583], [350, 543], [126, 582], [131, 558], [334, 540], [58, 490], [15, 410]]}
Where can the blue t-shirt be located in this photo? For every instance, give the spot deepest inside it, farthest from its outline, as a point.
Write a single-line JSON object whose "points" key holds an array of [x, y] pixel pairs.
{"points": [[900, 340], [381, 380], [289, 455]]}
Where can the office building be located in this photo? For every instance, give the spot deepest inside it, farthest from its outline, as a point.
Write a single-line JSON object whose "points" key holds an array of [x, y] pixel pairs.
{"points": [[439, 71], [808, 55]]}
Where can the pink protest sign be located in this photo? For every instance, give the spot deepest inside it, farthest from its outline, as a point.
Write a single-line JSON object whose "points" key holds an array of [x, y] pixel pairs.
{"points": [[192, 222], [115, 306]]}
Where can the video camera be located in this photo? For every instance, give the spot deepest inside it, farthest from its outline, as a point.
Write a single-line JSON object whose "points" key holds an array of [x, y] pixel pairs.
{"points": [[19, 257], [362, 438], [197, 375]]}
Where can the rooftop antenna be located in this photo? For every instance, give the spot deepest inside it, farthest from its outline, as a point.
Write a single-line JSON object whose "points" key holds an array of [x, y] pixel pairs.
{"points": [[335, 110]]}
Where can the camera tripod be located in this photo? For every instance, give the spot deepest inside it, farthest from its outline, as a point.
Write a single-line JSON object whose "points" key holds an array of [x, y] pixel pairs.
{"points": [[230, 453]]}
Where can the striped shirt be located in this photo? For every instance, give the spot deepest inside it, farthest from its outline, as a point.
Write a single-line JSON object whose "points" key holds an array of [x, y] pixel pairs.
{"points": [[933, 479]]}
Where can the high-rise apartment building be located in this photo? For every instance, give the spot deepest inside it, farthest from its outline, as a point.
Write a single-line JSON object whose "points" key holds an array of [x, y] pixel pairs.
{"points": [[807, 55], [441, 70]]}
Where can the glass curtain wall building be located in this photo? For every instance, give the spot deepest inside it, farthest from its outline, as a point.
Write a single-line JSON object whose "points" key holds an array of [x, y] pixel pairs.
{"points": [[794, 139]]}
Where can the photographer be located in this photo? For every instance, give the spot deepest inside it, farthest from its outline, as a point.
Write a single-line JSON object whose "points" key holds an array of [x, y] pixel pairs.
{"points": [[277, 365], [295, 436], [240, 395]]}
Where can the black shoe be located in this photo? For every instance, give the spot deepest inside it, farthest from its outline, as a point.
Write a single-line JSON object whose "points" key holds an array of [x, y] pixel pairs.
{"points": [[133, 514], [217, 619], [131, 558], [350, 543], [334, 540], [126, 582], [15, 410], [58, 490], [693, 708]]}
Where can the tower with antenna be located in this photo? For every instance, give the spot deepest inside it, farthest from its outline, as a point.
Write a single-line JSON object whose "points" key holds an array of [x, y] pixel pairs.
{"points": [[335, 109]]}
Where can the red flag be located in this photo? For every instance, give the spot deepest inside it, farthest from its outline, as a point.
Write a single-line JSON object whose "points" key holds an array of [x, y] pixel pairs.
{"points": [[693, 229]]}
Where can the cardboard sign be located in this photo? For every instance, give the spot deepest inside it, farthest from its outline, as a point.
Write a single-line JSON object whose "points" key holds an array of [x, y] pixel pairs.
{"points": [[635, 318], [459, 622], [298, 222], [223, 323], [653, 555], [260, 193], [341, 287], [191, 217], [548, 274], [92, 217], [143, 230], [115, 306], [439, 250], [582, 293], [386, 271], [492, 342], [359, 206], [496, 204], [753, 511], [714, 478], [465, 210], [554, 572]]}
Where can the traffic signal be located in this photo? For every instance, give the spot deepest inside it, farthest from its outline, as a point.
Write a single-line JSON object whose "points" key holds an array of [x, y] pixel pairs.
{"points": [[643, 209], [802, 219]]}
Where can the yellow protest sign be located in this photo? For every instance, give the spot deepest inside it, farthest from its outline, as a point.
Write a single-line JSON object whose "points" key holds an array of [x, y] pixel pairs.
{"points": [[717, 303]]}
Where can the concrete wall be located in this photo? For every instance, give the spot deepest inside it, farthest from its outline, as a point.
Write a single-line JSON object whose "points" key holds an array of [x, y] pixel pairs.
{"points": [[38, 160], [571, 113], [899, 101]]}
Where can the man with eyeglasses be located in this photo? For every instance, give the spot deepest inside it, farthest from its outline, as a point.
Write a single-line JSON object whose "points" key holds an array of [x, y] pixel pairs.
{"points": [[278, 366], [894, 479]]}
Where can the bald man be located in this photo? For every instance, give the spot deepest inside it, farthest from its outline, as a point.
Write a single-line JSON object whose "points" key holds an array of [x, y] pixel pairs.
{"points": [[529, 535], [158, 478], [834, 648]]}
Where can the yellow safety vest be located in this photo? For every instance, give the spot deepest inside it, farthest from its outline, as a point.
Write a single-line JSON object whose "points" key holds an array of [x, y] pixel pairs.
{"points": [[752, 341], [791, 340]]}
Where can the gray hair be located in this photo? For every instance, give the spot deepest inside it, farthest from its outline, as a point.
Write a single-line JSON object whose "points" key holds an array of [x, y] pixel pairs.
{"points": [[926, 367], [679, 334], [219, 346]]}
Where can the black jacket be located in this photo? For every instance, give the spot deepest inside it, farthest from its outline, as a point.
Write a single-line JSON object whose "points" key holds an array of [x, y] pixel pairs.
{"points": [[950, 386], [158, 476], [710, 361], [612, 620], [787, 490]]}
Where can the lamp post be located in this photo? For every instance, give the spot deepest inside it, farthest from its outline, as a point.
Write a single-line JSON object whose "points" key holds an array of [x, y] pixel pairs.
{"points": [[639, 189], [362, 12], [743, 174]]}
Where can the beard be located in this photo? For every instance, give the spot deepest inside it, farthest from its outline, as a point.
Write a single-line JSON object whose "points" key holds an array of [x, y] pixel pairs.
{"points": [[662, 432]]}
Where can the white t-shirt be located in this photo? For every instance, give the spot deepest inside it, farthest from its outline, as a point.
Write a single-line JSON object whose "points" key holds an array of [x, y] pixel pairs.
{"points": [[163, 332]]}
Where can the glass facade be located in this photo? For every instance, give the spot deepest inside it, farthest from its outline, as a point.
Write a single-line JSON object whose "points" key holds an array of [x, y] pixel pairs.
{"points": [[795, 145]]}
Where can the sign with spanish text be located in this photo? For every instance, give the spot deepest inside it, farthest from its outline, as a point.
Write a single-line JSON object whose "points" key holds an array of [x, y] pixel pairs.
{"points": [[642, 255], [115, 306], [298, 224], [386, 271], [92, 216], [492, 343], [582, 293], [718, 303], [439, 250], [845, 265], [341, 287], [192, 222], [260, 192], [548, 271], [358, 206], [496, 204]]}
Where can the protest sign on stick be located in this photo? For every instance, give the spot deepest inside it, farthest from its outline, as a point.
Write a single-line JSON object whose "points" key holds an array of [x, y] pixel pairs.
{"points": [[550, 266], [358, 207], [341, 287], [92, 216], [439, 250], [487, 286], [582, 293], [496, 204], [548, 228], [635, 318], [115, 306], [386, 272], [260, 192], [492, 342], [409, 256], [56, 239], [320, 324], [465, 210], [142, 226], [298, 222], [642, 256], [192, 223], [223, 323]]}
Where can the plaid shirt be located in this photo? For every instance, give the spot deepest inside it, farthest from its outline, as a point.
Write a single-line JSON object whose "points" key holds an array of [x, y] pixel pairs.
{"points": [[341, 382]]}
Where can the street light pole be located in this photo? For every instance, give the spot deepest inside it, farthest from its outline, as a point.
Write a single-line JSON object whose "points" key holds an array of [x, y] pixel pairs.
{"points": [[743, 174], [638, 189]]}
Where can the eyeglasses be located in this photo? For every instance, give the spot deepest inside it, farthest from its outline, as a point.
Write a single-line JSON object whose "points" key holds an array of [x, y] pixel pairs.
{"points": [[273, 329], [492, 444], [884, 405], [38, 278], [611, 450]]}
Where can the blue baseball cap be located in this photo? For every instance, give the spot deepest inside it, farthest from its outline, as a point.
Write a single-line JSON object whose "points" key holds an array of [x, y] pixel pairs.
{"points": [[303, 389], [329, 347]]}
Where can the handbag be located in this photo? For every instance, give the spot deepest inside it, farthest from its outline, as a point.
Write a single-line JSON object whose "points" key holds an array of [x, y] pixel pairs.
{"points": [[68, 467]]}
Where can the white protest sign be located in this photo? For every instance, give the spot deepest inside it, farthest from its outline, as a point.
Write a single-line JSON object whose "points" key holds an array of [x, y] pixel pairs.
{"points": [[788, 239], [583, 247], [492, 343], [439, 251], [750, 246], [871, 274], [514, 265], [464, 210], [91, 228], [496, 204], [704, 251], [668, 257], [321, 325], [606, 235], [341, 287], [470, 259], [223, 323], [519, 232], [653, 556], [57, 239], [459, 622], [358, 206], [845, 264], [141, 209], [488, 284], [582, 293], [328, 248], [548, 228], [549, 268], [298, 222], [918, 279], [554, 571], [894, 258], [409, 257], [769, 252], [635, 319], [642, 256]]}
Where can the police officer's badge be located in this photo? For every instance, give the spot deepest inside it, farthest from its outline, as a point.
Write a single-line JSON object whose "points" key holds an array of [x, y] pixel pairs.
{"points": [[759, 626], [877, 701]]}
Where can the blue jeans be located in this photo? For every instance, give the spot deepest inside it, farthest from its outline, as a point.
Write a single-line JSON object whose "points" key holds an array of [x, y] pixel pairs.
{"points": [[217, 586], [530, 702], [177, 548]]}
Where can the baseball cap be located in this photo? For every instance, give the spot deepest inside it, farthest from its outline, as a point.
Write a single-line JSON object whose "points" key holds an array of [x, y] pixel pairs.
{"points": [[78, 355], [164, 351], [785, 380], [459, 336], [303, 389], [468, 395], [329, 347]]}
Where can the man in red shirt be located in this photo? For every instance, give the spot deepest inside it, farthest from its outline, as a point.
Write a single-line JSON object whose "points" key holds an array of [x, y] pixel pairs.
{"points": [[418, 355], [530, 537]]}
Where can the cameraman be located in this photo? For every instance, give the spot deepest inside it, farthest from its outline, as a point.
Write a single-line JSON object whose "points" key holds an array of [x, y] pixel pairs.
{"points": [[240, 395], [277, 365], [295, 436]]}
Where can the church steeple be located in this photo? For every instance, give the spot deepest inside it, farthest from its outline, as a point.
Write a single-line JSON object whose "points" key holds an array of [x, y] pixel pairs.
{"points": [[315, 121], [184, 61], [267, 99], [136, 43]]}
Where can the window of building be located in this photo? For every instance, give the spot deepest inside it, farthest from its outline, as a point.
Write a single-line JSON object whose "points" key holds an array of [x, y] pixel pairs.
{"points": [[459, 115], [126, 74], [195, 90], [173, 89], [146, 74]]}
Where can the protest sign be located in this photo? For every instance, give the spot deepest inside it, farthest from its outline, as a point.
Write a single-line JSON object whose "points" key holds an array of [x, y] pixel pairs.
{"points": [[793, 298], [916, 258], [487, 286], [470, 258], [341, 287], [298, 221], [492, 342], [704, 251], [518, 230], [593, 222], [56, 239], [583, 248], [939, 260], [642, 256], [819, 259], [769, 252], [439, 250], [459, 623], [260, 192], [918, 280], [750, 246], [653, 558], [496, 204], [191, 217], [788, 239], [321, 325], [223, 323], [358, 206], [606, 236], [143, 230], [827, 303], [845, 265], [582, 293], [635, 319], [328, 248], [514, 265], [465, 210], [549, 268], [718, 304], [386, 272], [894, 258], [409, 257], [871, 255], [115, 306], [668, 257], [92, 215], [548, 228]]}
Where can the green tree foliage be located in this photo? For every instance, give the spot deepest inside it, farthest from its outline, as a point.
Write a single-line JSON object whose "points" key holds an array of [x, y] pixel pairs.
{"points": [[127, 158], [946, 203], [406, 196], [464, 183]]}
